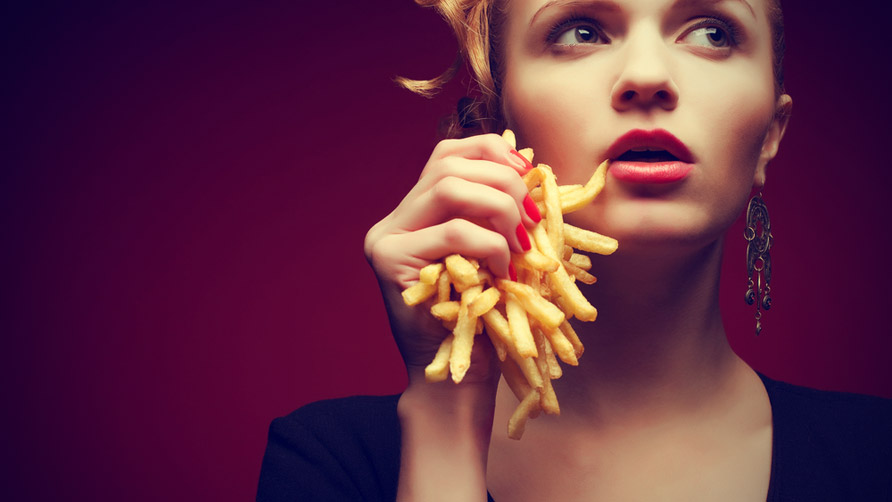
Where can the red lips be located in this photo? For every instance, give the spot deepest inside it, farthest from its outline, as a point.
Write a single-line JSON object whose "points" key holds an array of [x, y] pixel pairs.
{"points": [[649, 157], [657, 139]]}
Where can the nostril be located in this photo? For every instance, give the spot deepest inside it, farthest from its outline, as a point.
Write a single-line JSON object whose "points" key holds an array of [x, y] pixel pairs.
{"points": [[663, 95], [628, 95]]}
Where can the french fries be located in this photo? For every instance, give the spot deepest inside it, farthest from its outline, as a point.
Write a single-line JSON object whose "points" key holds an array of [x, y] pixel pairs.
{"points": [[527, 320]]}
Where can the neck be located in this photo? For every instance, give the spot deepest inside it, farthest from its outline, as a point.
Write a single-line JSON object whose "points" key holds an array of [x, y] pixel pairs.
{"points": [[658, 345]]}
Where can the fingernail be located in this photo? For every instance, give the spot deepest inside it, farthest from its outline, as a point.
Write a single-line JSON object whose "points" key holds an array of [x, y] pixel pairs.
{"points": [[531, 209], [512, 272], [525, 163], [523, 237]]}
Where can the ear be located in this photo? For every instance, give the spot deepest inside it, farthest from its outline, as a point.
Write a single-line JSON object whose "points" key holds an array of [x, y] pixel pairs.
{"points": [[770, 144]]}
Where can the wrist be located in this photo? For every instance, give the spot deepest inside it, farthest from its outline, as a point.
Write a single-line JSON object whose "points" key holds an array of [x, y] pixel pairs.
{"points": [[456, 406], [446, 429]]}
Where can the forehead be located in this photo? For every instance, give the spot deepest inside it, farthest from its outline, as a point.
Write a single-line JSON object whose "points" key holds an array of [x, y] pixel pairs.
{"points": [[532, 8]]}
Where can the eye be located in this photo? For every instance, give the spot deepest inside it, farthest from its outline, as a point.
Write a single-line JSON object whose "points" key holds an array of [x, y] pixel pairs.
{"points": [[579, 35], [711, 33], [708, 37], [577, 31]]}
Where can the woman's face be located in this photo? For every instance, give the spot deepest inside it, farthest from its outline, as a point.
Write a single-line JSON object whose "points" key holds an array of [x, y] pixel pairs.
{"points": [[679, 94]]}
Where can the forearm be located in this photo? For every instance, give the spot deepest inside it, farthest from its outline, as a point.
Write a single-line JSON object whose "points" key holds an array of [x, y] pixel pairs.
{"points": [[445, 440]]}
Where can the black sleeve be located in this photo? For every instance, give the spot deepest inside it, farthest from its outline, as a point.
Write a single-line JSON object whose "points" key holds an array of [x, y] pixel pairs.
{"points": [[342, 449]]}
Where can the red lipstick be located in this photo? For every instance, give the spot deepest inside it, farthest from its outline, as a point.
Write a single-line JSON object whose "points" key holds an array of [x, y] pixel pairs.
{"points": [[655, 156]]}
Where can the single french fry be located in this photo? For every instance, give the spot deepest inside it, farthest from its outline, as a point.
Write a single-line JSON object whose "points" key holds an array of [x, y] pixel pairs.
{"points": [[500, 347], [565, 306], [541, 309], [560, 282], [515, 379], [431, 273], [533, 178], [535, 260], [520, 327], [497, 325], [543, 243], [561, 346], [462, 271], [568, 331], [568, 252], [438, 369], [528, 367], [577, 200], [484, 302], [527, 153], [554, 219], [579, 273], [508, 135], [554, 369], [580, 260], [518, 421], [418, 292], [548, 400], [460, 357], [563, 190], [587, 240], [445, 311], [444, 288]]}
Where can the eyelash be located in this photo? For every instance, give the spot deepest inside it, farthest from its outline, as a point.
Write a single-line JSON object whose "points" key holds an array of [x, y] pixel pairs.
{"points": [[735, 34], [572, 21]]}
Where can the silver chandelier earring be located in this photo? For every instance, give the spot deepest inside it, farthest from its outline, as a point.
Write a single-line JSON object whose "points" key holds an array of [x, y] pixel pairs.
{"points": [[758, 260]]}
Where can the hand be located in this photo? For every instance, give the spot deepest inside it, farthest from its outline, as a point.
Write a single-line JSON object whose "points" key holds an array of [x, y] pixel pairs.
{"points": [[469, 199]]}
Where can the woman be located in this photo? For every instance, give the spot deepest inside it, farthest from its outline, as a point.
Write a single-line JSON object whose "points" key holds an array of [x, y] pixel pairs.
{"points": [[686, 99]]}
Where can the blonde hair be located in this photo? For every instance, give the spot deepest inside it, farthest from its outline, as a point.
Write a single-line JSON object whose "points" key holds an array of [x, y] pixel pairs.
{"points": [[472, 21]]}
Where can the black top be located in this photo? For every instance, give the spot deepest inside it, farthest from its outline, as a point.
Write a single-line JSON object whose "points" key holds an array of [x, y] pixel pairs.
{"points": [[827, 446]]}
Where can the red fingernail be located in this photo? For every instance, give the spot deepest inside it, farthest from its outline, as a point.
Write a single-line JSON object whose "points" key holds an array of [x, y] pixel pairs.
{"points": [[512, 272], [531, 208], [526, 163], [523, 237]]}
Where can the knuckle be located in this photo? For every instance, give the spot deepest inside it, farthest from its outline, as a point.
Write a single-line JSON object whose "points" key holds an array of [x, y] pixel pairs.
{"points": [[455, 230], [446, 188], [443, 145]]}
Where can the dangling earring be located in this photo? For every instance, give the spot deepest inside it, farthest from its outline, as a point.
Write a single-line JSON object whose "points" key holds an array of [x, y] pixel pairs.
{"points": [[758, 259]]}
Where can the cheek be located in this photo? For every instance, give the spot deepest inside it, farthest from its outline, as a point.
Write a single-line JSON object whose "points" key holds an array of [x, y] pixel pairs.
{"points": [[736, 119], [749, 131], [547, 110]]}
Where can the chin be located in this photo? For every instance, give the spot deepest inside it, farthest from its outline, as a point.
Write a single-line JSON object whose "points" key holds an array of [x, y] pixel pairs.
{"points": [[653, 228]]}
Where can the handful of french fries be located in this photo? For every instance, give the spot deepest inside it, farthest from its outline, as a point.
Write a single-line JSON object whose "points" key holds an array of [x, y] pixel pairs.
{"points": [[527, 320]]}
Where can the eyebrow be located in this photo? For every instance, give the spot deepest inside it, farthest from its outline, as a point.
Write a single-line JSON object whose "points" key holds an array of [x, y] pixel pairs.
{"points": [[603, 4], [686, 3], [608, 5]]}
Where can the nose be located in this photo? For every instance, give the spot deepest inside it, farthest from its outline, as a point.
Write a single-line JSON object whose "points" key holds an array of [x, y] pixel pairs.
{"points": [[645, 80]]}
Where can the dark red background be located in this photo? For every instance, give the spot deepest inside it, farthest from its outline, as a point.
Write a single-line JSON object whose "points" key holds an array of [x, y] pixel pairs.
{"points": [[185, 190]]}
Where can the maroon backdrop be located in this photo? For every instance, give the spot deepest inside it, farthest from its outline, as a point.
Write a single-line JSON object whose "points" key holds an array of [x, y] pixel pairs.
{"points": [[185, 190]]}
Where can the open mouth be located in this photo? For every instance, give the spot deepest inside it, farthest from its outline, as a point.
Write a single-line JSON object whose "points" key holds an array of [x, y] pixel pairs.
{"points": [[647, 155]]}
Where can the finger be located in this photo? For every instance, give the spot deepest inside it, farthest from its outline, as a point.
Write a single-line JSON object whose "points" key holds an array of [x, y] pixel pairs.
{"points": [[399, 257], [454, 198], [489, 147], [487, 173]]}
